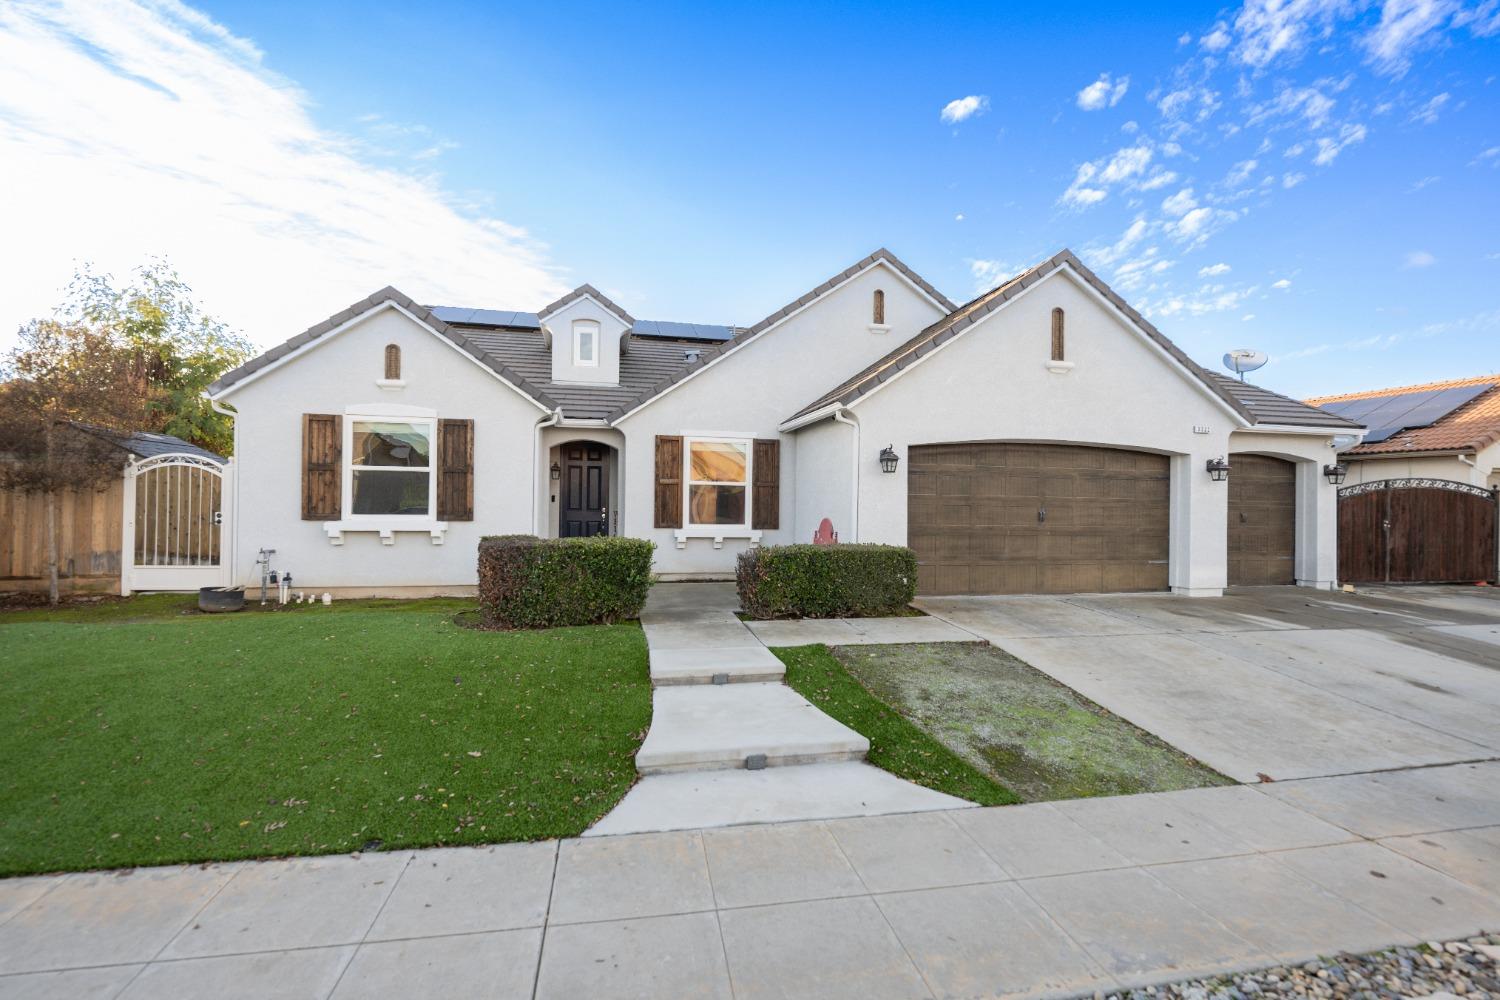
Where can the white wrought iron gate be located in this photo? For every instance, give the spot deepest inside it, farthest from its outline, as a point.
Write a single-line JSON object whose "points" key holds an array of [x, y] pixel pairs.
{"points": [[176, 524]]}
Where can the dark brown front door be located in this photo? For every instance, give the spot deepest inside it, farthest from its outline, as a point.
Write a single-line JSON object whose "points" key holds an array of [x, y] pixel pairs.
{"points": [[1416, 531], [1262, 521], [1037, 519], [585, 490]]}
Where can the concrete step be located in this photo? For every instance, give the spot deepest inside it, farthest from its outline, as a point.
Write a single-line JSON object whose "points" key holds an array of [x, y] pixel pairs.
{"points": [[703, 727], [736, 664], [698, 799]]}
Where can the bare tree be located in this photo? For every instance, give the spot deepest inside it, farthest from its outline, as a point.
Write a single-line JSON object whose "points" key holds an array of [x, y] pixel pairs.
{"points": [[58, 375]]}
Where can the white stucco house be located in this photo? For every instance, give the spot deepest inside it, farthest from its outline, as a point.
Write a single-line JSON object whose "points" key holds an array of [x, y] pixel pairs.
{"points": [[1043, 437]]}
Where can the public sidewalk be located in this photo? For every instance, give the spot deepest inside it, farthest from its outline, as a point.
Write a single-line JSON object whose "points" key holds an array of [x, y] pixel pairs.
{"points": [[1064, 897]]}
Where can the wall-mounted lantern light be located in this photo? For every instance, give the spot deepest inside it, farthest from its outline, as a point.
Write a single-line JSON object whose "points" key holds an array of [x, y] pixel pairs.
{"points": [[1218, 469], [1336, 473], [556, 472], [888, 459]]}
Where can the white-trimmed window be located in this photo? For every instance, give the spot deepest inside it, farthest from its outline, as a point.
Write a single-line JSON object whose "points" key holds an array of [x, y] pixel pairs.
{"points": [[585, 343], [717, 483], [389, 470]]}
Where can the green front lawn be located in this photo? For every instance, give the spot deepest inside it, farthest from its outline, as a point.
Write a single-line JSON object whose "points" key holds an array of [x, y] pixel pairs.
{"points": [[139, 732]]}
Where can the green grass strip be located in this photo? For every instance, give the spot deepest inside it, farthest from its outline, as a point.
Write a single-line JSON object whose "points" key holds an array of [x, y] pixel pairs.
{"points": [[897, 745]]}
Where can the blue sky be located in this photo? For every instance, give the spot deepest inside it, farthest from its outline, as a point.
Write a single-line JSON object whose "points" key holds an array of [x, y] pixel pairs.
{"points": [[1317, 179]]}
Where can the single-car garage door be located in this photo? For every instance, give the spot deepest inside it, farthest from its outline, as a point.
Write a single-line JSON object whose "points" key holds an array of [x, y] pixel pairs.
{"points": [[1262, 521], [1037, 519]]}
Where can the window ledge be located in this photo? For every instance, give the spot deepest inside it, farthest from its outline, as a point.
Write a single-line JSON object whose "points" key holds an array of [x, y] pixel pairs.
{"points": [[1059, 367], [880, 328], [391, 383], [386, 528], [717, 532]]}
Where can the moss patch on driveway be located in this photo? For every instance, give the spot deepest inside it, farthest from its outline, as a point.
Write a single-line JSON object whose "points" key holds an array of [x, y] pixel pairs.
{"points": [[1035, 736]]}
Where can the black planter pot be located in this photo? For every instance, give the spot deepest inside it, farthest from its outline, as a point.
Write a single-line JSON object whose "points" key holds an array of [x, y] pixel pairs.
{"points": [[221, 598]]}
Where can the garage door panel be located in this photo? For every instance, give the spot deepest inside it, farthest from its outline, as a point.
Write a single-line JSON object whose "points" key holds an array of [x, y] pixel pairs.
{"points": [[1105, 529], [1262, 529]]}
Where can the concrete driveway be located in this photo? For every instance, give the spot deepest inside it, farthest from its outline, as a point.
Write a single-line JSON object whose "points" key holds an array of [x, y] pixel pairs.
{"points": [[1278, 682]]}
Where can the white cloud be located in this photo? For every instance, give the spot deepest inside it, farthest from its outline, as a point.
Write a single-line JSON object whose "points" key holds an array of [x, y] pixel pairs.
{"points": [[1158, 179], [1308, 103], [1217, 40], [1405, 27], [989, 273], [1213, 270], [129, 132], [1269, 29], [1419, 259], [1330, 147], [1489, 156], [1180, 203], [964, 108], [1092, 180], [1103, 93], [1428, 113], [959, 217], [1424, 182], [1295, 150], [1291, 180], [1247, 317], [1192, 223], [1241, 172], [1282, 284]]}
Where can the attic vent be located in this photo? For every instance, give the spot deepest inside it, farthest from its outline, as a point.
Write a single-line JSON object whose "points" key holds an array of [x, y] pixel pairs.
{"points": [[692, 354]]}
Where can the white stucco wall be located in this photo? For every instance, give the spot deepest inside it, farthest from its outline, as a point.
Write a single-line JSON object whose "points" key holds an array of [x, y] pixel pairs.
{"points": [[825, 478], [341, 370], [752, 392], [992, 384], [1482, 473]]}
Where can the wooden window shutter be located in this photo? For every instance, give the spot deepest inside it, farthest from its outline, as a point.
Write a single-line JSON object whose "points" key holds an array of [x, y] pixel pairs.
{"points": [[1057, 335], [322, 472], [765, 498], [455, 500], [668, 481]]}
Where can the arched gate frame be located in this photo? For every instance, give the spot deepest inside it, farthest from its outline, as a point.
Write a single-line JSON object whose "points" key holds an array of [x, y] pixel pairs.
{"points": [[177, 524]]}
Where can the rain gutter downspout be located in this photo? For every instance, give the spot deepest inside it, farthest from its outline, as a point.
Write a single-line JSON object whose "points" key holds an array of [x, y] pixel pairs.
{"points": [[550, 420], [840, 415], [1471, 463], [234, 512]]}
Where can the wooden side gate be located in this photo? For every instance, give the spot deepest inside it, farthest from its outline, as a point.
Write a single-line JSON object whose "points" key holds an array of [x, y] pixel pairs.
{"points": [[176, 524], [1417, 531]]}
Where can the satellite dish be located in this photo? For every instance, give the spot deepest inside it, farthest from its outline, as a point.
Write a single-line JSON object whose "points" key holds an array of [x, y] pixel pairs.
{"points": [[1244, 359]]}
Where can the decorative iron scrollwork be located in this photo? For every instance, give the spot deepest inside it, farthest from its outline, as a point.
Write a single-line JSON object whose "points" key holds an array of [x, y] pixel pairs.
{"points": [[1453, 485]]}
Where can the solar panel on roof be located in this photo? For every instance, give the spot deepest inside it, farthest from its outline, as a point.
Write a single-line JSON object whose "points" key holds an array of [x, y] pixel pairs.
{"points": [[1407, 410]]}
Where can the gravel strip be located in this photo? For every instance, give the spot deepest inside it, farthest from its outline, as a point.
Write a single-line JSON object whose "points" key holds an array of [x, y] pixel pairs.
{"points": [[1468, 968]]}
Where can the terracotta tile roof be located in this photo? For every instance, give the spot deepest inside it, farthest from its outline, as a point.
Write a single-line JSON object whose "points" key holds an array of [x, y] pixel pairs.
{"points": [[1472, 426]]}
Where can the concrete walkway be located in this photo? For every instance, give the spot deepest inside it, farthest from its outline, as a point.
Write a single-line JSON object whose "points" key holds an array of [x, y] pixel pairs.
{"points": [[730, 743], [1076, 896]]}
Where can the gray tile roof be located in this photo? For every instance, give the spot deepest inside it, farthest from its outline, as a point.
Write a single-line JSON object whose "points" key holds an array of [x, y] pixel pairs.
{"points": [[648, 362], [961, 318], [147, 444], [579, 293], [741, 336], [387, 294], [1269, 407]]}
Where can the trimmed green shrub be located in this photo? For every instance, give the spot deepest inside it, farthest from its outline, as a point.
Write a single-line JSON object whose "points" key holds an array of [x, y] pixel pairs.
{"points": [[826, 581], [530, 582]]}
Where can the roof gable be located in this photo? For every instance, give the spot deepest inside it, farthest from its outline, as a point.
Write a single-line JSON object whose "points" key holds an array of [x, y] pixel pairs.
{"points": [[387, 297], [586, 292], [961, 319], [743, 336]]}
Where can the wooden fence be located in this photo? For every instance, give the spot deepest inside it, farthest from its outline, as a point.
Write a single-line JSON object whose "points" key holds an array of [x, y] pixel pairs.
{"points": [[88, 526]]}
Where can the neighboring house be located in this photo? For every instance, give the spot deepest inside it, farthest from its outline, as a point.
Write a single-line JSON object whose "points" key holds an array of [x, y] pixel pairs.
{"points": [[90, 522], [1420, 504], [1042, 437], [1440, 430]]}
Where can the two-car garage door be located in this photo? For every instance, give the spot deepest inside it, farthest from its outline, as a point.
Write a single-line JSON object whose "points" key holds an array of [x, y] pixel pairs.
{"points": [[995, 518]]}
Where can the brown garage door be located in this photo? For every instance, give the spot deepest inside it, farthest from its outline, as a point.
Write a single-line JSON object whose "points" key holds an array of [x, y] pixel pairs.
{"points": [[1037, 519], [1262, 521]]}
